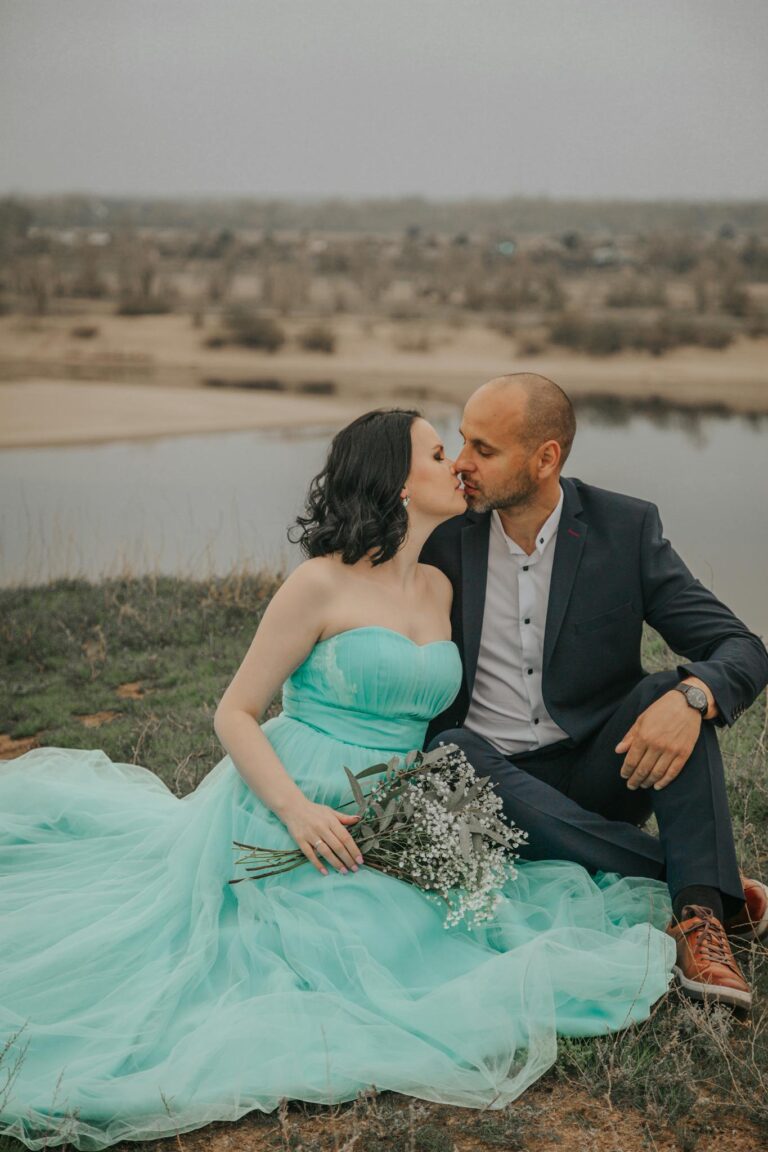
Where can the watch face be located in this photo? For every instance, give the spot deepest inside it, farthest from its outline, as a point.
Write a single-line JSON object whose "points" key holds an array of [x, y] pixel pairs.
{"points": [[697, 698]]}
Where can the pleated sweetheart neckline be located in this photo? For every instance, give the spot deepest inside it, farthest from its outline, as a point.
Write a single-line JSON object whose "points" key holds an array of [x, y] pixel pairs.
{"points": [[381, 628]]}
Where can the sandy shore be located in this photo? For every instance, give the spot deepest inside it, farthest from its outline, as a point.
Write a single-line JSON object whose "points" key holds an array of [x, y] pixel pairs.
{"points": [[51, 412], [146, 376]]}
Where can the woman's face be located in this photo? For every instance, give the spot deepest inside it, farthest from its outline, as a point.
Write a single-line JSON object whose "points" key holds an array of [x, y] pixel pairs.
{"points": [[435, 490]]}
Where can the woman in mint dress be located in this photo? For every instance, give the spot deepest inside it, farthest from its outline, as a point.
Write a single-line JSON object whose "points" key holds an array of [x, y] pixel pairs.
{"points": [[142, 995]]}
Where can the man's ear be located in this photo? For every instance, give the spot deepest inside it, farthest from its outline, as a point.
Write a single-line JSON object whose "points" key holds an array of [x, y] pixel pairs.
{"points": [[549, 458]]}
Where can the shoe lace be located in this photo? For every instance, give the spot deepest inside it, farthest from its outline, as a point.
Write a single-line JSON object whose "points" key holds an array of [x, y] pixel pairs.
{"points": [[712, 940]]}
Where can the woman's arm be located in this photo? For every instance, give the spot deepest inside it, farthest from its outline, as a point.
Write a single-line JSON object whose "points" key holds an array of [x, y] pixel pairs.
{"points": [[289, 628]]}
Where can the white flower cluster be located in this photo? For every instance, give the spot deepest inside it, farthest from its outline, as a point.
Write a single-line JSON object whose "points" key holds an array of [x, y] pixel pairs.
{"points": [[457, 845]]}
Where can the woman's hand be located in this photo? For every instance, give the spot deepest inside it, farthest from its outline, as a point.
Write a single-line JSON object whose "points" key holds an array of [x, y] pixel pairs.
{"points": [[321, 834]]}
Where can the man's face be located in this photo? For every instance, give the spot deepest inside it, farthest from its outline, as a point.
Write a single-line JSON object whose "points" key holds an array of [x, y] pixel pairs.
{"points": [[497, 467]]}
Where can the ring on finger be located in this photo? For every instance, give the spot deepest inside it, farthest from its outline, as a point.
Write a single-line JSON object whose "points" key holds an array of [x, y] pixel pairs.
{"points": [[317, 844]]}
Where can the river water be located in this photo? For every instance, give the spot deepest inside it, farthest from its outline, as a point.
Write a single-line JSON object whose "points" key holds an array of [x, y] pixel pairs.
{"points": [[199, 505]]}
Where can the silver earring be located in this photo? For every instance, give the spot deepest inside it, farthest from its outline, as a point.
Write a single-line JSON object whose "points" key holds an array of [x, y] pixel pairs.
{"points": [[406, 501]]}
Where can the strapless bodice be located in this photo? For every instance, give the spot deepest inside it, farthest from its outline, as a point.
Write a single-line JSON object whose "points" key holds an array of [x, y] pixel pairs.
{"points": [[374, 687]]}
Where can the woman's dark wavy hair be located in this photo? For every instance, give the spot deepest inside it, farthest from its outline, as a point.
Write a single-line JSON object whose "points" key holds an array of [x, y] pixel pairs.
{"points": [[353, 506]]}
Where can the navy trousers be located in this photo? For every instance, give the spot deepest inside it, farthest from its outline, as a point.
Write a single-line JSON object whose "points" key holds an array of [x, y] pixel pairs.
{"points": [[574, 804]]}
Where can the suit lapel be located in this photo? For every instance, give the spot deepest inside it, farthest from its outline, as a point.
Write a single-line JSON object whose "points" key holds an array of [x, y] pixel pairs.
{"points": [[569, 546], [474, 576]]}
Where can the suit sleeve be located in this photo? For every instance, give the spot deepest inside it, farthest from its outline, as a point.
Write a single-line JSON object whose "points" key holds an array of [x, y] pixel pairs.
{"points": [[719, 648]]}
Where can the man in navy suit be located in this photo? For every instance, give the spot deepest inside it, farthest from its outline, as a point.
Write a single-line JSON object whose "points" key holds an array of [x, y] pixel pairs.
{"points": [[553, 579]]}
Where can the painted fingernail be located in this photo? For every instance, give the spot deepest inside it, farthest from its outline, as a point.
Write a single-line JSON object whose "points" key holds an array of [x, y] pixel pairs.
{"points": [[354, 867], [344, 871], [359, 859]]}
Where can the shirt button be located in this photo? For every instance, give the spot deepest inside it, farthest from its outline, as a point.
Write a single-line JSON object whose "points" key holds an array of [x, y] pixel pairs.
{"points": [[530, 671], [525, 567], [527, 620], [535, 721]]}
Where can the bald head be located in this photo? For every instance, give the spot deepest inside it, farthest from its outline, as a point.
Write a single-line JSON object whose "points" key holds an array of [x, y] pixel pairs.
{"points": [[547, 413]]}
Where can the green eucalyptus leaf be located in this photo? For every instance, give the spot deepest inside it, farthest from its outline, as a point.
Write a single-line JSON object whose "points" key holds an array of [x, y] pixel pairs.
{"points": [[357, 791], [497, 839], [429, 758], [456, 797], [389, 813], [372, 771]]}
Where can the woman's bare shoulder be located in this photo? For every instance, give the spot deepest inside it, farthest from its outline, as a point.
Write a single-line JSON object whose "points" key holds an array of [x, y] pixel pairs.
{"points": [[311, 585], [318, 573]]}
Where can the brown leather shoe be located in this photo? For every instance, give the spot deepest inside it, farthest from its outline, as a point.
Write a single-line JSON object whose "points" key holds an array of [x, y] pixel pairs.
{"points": [[752, 921], [706, 969]]}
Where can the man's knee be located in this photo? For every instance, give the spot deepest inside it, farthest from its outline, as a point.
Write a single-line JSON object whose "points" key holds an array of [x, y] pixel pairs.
{"points": [[652, 687], [449, 736], [465, 739]]}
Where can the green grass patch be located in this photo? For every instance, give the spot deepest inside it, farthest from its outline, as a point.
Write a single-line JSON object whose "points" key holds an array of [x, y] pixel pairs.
{"points": [[156, 653]]}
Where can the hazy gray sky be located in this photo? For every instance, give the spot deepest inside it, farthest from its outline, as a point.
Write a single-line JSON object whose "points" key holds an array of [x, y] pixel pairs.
{"points": [[385, 97]]}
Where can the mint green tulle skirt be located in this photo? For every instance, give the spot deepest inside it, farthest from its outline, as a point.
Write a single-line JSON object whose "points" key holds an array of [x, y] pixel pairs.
{"points": [[142, 995]]}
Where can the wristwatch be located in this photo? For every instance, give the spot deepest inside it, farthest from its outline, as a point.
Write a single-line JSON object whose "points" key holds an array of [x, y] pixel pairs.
{"points": [[696, 697]]}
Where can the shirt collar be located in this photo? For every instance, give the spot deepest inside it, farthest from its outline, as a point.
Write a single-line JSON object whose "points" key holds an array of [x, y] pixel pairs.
{"points": [[546, 532]]}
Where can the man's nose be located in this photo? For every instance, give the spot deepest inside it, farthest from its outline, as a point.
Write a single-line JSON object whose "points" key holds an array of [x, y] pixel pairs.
{"points": [[461, 463]]}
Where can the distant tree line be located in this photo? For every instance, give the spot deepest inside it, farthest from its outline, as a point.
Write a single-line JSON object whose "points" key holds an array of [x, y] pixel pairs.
{"points": [[514, 214], [594, 290]]}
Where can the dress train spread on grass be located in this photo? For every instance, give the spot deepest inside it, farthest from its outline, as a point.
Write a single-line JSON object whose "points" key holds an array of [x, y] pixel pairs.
{"points": [[143, 995]]}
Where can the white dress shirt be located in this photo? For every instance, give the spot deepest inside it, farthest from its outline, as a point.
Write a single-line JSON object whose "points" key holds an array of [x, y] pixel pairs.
{"points": [[507, 707]]}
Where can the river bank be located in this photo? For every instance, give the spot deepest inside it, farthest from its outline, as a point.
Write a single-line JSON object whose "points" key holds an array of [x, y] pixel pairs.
{"points": [[154, 375], [46, 413]]}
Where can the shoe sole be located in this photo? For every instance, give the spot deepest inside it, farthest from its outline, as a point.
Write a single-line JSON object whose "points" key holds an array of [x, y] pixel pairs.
{"points": [[712, 993]]}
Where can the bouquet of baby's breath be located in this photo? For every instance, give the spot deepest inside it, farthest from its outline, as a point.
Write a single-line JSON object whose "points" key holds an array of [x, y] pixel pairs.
{"points": [[428, 820]]}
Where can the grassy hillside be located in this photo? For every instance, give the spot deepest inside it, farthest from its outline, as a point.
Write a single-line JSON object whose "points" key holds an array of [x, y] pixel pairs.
{"points": [[136, 667]]}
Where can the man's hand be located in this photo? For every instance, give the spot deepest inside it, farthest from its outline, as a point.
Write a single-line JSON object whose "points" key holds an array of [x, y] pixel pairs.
{"points": [[659, 742]]}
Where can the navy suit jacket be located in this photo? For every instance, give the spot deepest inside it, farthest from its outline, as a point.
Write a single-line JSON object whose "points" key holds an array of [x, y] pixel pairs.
{"points": [[612, 570]]}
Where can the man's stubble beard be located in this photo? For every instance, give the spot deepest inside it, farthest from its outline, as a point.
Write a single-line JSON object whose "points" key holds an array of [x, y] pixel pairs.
{"points": [[517, 497]]}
